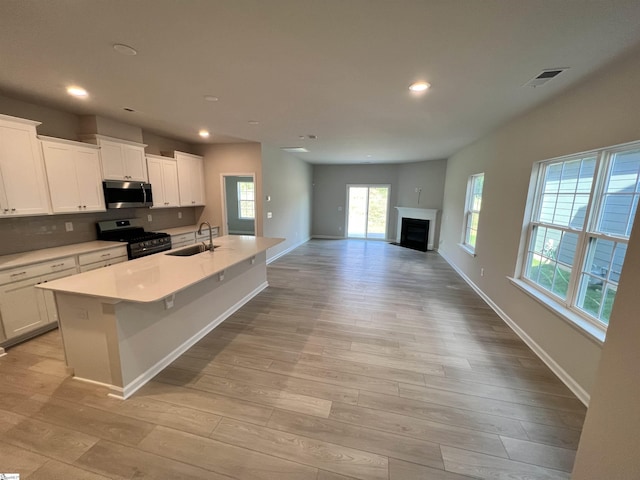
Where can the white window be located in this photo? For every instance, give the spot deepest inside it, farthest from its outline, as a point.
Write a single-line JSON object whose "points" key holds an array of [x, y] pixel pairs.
{"points": [[472, 211], [579, 228], [246, 201]]}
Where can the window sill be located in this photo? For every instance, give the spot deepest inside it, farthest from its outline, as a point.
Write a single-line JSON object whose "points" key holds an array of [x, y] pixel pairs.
{"points": [[467, 249], [584, 326]]}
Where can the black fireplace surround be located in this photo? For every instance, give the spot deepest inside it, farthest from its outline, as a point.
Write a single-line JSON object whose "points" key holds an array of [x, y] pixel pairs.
{"points": [[414, 234]]}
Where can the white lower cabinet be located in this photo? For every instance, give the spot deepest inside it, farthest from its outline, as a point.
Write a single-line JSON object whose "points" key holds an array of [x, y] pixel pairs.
{"points": [[183, 240], [103, 258], [23, 307]]}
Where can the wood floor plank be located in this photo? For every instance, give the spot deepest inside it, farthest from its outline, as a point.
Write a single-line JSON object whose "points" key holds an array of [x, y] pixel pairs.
{"points": [[272, 397], [50, 440], [482, 466], [537, 454], [55, 470], [359, 368], [440, 433], [222, 457], [19, 460], [411, 365], [310, 386], [359, 437], [547, 416], [557, 436], [336, 378], [208, 402], [119, 462], [443, 414], [320, 454], [401, 470]]}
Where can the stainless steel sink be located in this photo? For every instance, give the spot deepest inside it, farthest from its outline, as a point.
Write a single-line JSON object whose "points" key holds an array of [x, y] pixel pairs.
{"points": [[190, 250]]}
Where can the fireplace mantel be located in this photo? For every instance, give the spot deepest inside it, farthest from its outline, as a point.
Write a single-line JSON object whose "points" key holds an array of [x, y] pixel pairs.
{"points": [[420, 214]]}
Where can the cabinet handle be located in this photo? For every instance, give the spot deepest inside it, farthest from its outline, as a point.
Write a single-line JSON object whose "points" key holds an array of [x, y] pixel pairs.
{"points": [[18, 274], [79, 207], [84, 206], [13, 209], [56, 265], [6, 210], [105, 255]]}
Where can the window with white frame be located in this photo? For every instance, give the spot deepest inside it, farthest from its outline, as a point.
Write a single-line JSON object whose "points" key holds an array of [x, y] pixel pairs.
{"points": [[246, 201], [472, 211], [579, 228]]}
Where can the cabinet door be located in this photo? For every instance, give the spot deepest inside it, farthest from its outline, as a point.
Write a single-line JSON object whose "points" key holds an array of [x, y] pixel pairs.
{"points": [[22, 307], [134, 164], [170, 183], [184, 180], [61, 174], [111, 157], [23, 182], [154, 167], [87, 164], [197, 181], [48, 297]]}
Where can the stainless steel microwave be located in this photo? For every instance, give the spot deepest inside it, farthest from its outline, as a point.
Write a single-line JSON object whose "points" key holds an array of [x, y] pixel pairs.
{"points": [[119, 194]]}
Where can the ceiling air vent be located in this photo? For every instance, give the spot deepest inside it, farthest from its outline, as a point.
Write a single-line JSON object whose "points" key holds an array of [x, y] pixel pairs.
{"points": [[294, 149], [544, 76]]}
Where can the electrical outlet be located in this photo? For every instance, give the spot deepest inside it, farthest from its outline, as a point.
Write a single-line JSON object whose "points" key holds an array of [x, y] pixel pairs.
{"points": [[149, 218], [179, 214], [68, 226], [269, 214], [339, 209]]}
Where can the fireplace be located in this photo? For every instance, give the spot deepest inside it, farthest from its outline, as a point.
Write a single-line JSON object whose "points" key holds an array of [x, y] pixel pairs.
{"points": [[414, 233], [420, 214]]}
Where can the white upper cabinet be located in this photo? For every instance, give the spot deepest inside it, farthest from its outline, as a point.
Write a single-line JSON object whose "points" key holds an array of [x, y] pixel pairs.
{"points": [[23, 189], [163, 177], [121, 159], [73, 173], [190, 179]]}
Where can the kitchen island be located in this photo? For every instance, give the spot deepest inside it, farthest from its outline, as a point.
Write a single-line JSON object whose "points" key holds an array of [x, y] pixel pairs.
{"points": [[123, 324]]}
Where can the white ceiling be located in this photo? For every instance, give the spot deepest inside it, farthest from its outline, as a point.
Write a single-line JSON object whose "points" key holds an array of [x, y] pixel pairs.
{"points": [[338, 69]]}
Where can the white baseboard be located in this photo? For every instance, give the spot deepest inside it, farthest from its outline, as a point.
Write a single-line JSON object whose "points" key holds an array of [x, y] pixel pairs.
{"points": [[560, 372], [2, 352], [327, 237], [143, 378], [284, 252]]}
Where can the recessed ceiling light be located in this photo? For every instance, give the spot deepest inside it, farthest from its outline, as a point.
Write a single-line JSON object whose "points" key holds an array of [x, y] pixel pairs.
{"points": [[204, 133], [125, 49], [419, 87], [254, 122], [295, 149], [211, 98], [77, 92]]}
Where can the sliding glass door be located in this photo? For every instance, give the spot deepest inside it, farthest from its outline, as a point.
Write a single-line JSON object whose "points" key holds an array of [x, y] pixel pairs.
{"points": [[367, 211]]}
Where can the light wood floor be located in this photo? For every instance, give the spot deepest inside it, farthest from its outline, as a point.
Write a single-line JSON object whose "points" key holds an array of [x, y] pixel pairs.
{"points": [[361, 360]]}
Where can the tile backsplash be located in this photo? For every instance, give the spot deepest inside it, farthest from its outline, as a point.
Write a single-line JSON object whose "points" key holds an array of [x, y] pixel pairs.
{"points": [[22, 234]]}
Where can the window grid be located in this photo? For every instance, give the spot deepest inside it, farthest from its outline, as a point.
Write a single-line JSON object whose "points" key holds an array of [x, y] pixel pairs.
{"points": [[587, 243], [246, 201], [472, 210]]}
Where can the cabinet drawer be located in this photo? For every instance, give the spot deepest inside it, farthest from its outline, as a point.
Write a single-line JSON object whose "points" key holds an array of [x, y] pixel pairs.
{"points": [[183, 239], [35, 270], [102, 255], [204, 236], [102, 263]]}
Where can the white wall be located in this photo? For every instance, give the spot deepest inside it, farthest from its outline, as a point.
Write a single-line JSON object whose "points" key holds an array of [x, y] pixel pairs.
{"points": [[287, 181], [602, 111]]}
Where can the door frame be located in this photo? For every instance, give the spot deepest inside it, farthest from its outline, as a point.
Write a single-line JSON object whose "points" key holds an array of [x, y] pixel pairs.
{"points": [[346, 216], [223, 191]]}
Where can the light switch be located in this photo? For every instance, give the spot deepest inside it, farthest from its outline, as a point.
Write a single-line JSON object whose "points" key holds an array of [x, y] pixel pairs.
{"points": [[268, 198]]}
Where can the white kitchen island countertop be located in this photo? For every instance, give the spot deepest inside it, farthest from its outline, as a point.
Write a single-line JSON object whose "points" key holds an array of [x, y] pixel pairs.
{"points": [[155, 277]]}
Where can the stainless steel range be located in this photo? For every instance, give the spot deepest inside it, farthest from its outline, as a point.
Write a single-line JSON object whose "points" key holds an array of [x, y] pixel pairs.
{"points": [[139, 242]]}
